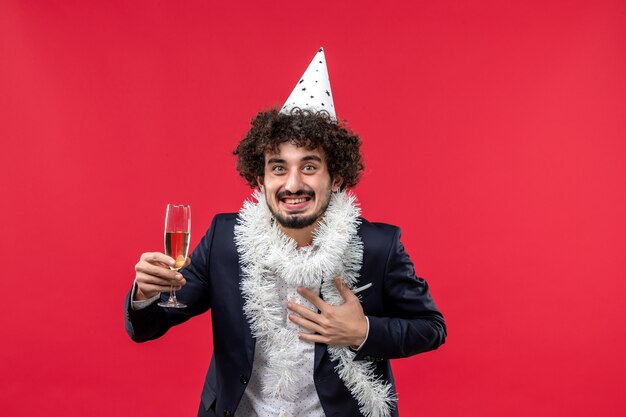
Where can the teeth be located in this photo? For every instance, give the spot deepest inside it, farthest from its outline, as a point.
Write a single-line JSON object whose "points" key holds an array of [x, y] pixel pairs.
{"points": [[295, 200]]}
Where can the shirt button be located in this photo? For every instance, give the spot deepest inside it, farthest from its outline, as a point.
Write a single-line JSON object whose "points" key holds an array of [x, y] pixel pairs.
{"points": [[243, 379]]}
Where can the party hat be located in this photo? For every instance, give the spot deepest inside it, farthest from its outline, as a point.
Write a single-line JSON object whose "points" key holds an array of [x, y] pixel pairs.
{"points": [[313, 92]]}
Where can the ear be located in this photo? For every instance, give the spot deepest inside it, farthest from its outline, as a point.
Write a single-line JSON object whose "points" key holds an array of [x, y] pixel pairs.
{"points": [[259, 182], [337, 181]]}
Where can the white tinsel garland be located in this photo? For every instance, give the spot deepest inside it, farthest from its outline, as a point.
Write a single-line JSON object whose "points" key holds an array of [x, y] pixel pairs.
{"points": [[266, 253]]}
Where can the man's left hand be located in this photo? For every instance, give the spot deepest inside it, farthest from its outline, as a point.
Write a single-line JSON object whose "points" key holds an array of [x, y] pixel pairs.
{"points": [[341, 325]]}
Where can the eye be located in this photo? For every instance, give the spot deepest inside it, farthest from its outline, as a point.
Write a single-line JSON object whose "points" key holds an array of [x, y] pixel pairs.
{"points": [[309, 168], [277, 169]]}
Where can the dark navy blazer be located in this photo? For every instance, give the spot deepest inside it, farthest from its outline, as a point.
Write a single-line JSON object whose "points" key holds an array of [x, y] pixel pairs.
{"points": [[402, 315]]}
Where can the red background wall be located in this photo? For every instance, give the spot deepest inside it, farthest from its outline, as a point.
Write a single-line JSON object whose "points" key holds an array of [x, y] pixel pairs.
{"points": [[493, 134]]}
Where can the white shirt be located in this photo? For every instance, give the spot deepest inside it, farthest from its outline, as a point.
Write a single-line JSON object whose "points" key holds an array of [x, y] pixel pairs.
{"points": [[306, 403]]}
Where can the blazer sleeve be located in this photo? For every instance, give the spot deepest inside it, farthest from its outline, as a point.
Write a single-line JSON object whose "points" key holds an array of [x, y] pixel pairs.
{"points": [[153, 321], [411, 322]]}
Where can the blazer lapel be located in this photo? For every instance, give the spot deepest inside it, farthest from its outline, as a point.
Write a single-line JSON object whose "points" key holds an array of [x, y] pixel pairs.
{"points": [[250, 342], [320, 353]]}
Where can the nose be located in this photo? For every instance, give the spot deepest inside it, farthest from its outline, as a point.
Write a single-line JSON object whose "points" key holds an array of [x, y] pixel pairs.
{"points": [[294, 181]]}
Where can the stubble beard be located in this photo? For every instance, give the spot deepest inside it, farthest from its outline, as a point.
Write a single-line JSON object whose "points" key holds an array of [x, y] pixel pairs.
{"points": [[297, 221]]}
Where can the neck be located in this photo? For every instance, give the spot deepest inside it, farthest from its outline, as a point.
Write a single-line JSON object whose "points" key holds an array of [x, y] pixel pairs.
{"points": [[303, 236]]}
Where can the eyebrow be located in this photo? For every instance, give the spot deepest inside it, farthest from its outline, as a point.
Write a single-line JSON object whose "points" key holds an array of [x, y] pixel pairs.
{"points": [[305, 159]]}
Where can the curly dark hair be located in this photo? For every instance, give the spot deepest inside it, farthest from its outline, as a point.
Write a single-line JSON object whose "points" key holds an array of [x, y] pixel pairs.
{"points": [[304, 129]]}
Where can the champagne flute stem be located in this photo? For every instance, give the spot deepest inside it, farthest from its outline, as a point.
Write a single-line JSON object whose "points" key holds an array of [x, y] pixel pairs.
{"points": [[172, 294]]}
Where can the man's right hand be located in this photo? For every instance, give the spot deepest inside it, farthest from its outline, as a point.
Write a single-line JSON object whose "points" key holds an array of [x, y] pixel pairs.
{"points": [[153, 275]]}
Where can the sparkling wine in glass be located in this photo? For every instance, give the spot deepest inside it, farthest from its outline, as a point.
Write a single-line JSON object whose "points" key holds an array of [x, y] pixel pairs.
{"points": [[177, 229]]}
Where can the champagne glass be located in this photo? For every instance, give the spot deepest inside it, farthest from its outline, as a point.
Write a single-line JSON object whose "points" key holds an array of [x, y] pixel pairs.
{"points": [[177, 229]]}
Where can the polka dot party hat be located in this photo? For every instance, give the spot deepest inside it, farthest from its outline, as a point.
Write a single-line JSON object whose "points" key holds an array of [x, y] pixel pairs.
{"points": [[312, 92]]}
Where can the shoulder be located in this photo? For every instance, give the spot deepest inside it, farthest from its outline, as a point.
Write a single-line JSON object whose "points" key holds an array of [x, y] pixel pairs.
{"points": [[378, 237], [379, 230], [219, 237], [225, 218], [222, 223]]}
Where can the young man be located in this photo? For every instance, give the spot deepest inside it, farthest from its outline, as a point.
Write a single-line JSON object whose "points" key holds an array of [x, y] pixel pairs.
{"points": [[309, 301]]}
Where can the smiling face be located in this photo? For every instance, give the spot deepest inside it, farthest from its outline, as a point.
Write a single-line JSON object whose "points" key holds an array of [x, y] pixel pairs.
{"points": [[297, 185]]}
